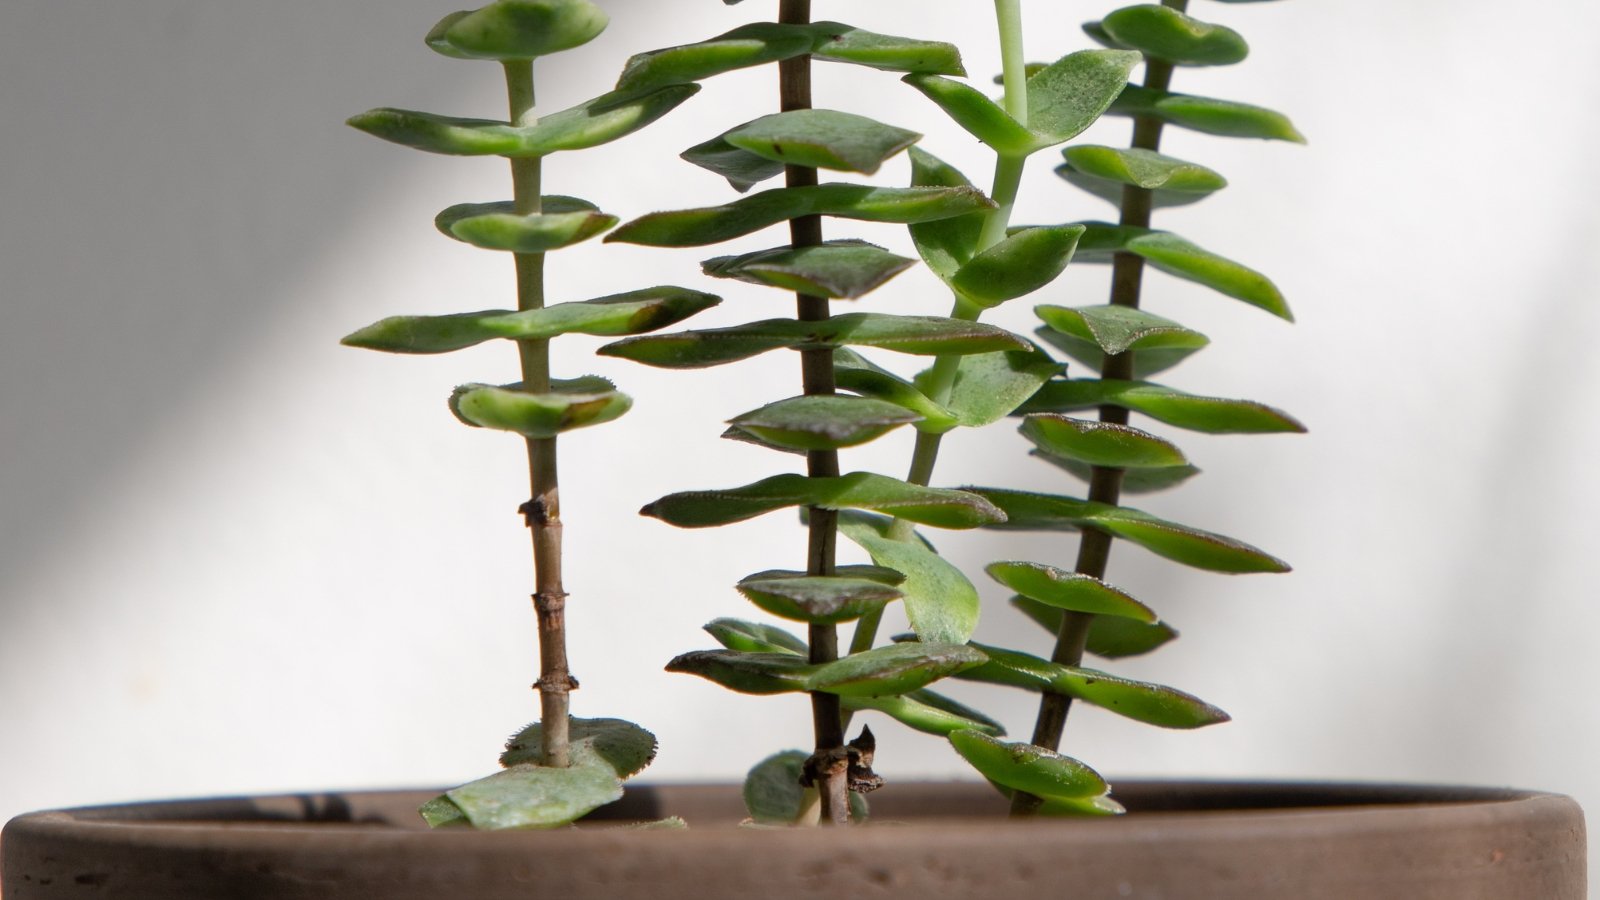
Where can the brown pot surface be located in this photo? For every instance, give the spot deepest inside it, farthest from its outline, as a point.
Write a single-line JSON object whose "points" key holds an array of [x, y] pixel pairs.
{"points": [[1189, 840]]}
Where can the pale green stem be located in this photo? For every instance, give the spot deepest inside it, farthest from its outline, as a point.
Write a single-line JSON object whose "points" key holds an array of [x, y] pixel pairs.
{"points": [[543, 512], [1007, 182]]}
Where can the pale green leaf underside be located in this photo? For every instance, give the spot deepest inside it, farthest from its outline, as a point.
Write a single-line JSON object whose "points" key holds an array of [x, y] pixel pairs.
{"points": [[1025, 767], [576, 403], [603, 752], [1021, 263], [990, 386], [1145, 169], [939, 600], [754, 637], [927, 712], [1160, 32], [852, 372], [561, 222], [517, 29], [1118, 329]]}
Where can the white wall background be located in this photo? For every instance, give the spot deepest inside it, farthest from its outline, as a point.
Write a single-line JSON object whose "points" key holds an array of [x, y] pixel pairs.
{"points": [[235, 556]]}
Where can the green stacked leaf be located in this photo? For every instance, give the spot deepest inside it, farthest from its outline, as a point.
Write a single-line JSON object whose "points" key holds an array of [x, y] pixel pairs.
{"points": [[604, 753]]}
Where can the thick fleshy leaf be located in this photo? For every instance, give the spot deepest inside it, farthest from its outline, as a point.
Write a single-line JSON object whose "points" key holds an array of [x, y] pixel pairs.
{"points": [[822, 139], [1134, 481], [772, 791], [983, 118], [440, 812], [1201, 549], [517, 29], [754, 637], [527, 795], [837, 42], [1177, 256], [745, 46], [575, 403], [1068, 590], [918, 335], [631, 313], [1109, 330], [854, 373], [765, 42], [714, 224], [1025, 767], [1022, 263], [857, 490], [1112, 192], [747, 673], [1211, 415], [927, 712], [989, 386], [1100, 443], [1143, 169], [531, 796], [621, 745], [839, 270], [893, 669], [742, 168], [1207, 115], [1160, 32], [1110, 637], [1062, 807], [773, 795], [1067, 96], [817, 599], [940, 602], [1153, 704], [944, 244], [561, 222], [599, 121], [823, 423]]}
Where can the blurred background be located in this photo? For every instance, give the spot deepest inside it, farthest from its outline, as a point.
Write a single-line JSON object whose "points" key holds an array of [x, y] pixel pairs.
{"points": [[237, 557]]}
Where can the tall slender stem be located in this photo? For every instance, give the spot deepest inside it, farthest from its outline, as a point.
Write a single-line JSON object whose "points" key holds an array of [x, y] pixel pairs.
{"points": [[543, 512], [1105, 484], [816, 370], [1007, 183]]}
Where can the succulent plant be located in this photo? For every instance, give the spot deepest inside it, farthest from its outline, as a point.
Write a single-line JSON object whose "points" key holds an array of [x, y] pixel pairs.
{"points": [[559, 768]]}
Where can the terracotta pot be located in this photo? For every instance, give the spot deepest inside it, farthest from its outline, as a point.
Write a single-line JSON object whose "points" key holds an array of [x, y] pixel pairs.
{"points": [[1194, 841]]}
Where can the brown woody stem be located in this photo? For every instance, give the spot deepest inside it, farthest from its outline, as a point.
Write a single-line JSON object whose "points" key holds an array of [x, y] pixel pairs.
{"points": [[542, 513], [1105, 484], [816, 368]]}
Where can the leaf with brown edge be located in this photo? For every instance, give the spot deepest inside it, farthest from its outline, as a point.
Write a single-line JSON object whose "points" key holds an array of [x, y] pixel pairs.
{"points": [[857, 490]]}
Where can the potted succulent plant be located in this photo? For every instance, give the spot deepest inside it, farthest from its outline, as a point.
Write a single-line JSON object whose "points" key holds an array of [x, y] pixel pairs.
{"points": [[503, 835]]}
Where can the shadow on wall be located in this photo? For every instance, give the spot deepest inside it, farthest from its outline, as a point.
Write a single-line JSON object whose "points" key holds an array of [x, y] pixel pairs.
{"points": [[168, 174]]}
